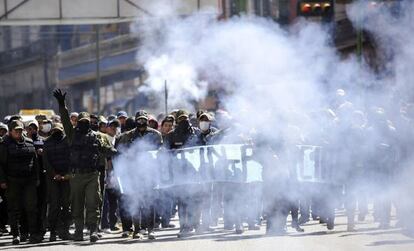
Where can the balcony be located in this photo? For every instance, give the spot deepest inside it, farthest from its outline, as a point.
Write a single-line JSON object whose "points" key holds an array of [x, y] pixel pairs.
{"points": [[23, 55]]}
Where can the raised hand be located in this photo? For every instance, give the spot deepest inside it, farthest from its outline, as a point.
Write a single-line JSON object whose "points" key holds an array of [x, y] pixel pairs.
{"points": [[60, 96]]}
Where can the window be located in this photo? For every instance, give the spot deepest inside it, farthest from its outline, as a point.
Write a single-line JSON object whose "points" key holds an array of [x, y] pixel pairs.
{"points": [[266, 8], [237, 7]]}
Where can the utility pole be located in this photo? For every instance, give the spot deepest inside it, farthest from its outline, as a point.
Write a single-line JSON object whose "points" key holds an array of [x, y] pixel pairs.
{"points": [[98, 71], [360, 35], [165, 97]]}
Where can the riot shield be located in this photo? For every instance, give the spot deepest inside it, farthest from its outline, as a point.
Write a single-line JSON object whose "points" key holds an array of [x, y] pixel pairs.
{"points": [[314, 164], [208, 164]]}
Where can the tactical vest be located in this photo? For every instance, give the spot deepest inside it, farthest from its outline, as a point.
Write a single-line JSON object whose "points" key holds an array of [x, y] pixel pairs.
{"points": [[58, 155], [84, 152], [184, 139], [21, 159]]}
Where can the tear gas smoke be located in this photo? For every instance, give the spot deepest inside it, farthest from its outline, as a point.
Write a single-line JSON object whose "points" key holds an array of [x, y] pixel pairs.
{"points": [[278, 84]]}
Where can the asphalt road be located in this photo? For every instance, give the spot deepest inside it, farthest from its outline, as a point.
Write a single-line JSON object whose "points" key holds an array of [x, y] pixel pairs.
{"points": [[316, 237]]}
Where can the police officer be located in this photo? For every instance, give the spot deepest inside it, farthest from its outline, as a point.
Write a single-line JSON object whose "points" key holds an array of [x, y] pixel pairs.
{"points": [[275, 184], [110, 204], [74, 118], [38, 133], [229, 192], [129, 124], [143, 138], [19, 176], [122, 116], [103, 163], [352, 165], [45, 128], [184, 135], [167, 125], [207, 132], [3, 202], [85, 149], [382, 135], [56, 159], [166, 206], [3, 129]]}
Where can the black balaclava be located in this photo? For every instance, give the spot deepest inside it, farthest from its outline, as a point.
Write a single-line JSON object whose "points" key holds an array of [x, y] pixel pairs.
{"points": [[83, 126]]}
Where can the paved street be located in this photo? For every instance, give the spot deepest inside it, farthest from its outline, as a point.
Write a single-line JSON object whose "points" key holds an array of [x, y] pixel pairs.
{"points": [[315, 237]]}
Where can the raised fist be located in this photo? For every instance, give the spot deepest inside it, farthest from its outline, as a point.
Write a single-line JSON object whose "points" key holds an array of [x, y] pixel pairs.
{"points": [[60, 96]]}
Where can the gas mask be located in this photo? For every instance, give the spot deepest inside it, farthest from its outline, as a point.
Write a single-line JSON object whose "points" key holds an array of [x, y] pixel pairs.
{"points": [[46, 128], [204, 125], [141, 123]]}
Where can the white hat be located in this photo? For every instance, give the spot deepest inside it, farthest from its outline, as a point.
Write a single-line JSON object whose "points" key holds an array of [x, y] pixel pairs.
{"points": [[33, 122]]}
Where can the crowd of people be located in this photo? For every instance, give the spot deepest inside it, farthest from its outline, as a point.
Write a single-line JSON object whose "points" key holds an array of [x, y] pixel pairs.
{"points": [[58, 172]]}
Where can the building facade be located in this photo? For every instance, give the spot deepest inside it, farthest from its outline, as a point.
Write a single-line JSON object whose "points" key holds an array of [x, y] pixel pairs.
{"points": [[99, 59]]}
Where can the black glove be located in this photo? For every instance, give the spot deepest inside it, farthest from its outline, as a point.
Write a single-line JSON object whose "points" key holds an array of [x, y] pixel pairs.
{"points": [[60, 96]]}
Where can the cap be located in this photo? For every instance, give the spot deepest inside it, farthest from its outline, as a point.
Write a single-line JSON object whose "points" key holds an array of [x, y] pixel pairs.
{"points": [[102, 120], [47, 121], [169, 119], [74, 114], [57, 126], [111, 117], [84, 115], [16, 125], [6, 119], [141, 114], [15, 117], [122, 114], [114, 122], [56, 119], [181, 113], [33, 122], [4, 126], [204, 115]]}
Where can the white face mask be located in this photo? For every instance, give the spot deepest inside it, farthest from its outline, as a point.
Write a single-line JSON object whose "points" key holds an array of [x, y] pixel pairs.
{"points": [[118, 130], [46, 128], [204, 125]]}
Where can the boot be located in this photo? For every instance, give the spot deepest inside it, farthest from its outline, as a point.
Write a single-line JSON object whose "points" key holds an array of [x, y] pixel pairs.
{"points": [[151, 235], [138, 235], [94, 237], [16, 240], [35, 238], [52, 237], [64, 234], [239, 229], [78, 236], [24, 237]]}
